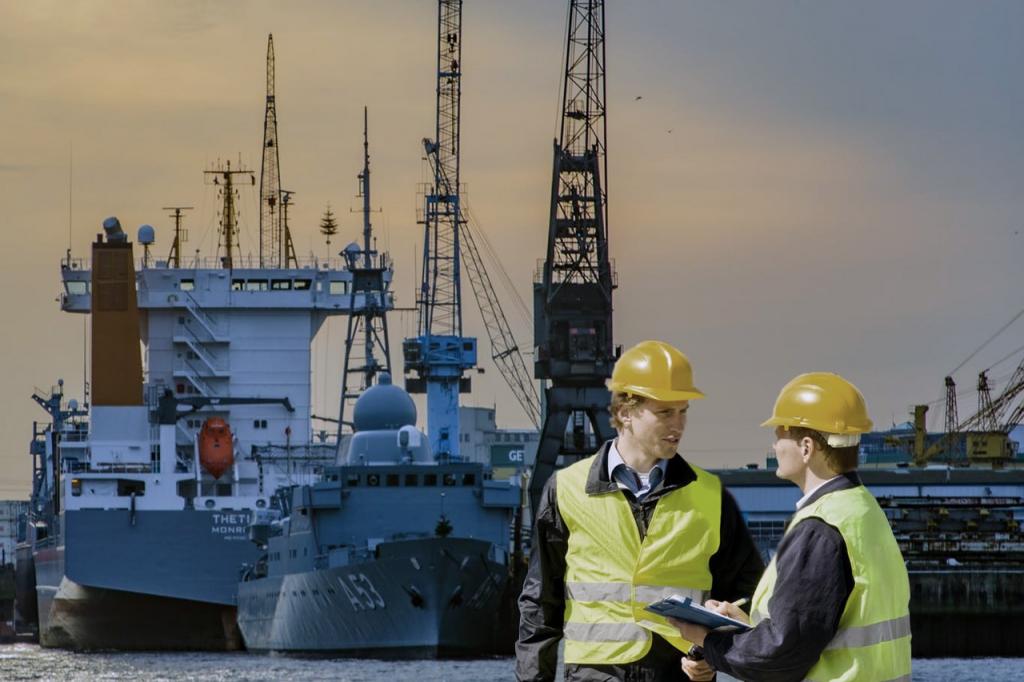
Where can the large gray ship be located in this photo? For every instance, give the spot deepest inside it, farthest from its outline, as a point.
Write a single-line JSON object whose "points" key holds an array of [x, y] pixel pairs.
{"points": [[394, 553]]}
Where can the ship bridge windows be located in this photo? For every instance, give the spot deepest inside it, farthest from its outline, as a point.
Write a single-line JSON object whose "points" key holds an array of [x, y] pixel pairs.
{"points": [[430, 479], [391, 480], [302, 284], [352, 480], [280, 284], [412, 480], [373, 480], [256, 285], [187, 285], [128, 487], [76, 287], [338, 287]]}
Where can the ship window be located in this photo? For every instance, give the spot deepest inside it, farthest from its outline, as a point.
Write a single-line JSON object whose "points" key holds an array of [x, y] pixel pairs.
{"points": [[76, 287], [237, 284], [372, 480], [256, 285], [181, 320], [127, 487], [430, 479], [352, 481], [392, 480], [302, 284], [449, 479], [412, 480], [339, 287], [76, 487], [469, 479], [467, 346], [187, 285], [280, 284]]}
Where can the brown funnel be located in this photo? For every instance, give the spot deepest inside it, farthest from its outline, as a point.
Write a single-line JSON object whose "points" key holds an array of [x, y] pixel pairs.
{"points": [[116, 346]]}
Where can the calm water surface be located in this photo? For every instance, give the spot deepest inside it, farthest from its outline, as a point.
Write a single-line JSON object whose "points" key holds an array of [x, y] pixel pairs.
{"points": [[29, 662]]}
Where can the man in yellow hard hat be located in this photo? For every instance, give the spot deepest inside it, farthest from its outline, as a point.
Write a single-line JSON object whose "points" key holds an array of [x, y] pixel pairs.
{"points": [[834, 601], [626, 527]]}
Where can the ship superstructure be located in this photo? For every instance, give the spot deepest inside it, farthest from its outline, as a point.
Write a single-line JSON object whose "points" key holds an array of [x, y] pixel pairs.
{"points": [[135, 517]]}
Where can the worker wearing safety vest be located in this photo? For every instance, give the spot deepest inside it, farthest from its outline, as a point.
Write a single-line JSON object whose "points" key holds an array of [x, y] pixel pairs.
{"points": [[834, 601], [626, 527]]}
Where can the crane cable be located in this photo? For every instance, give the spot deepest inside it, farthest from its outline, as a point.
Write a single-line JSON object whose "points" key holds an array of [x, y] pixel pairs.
{"points": [[988, 341]]}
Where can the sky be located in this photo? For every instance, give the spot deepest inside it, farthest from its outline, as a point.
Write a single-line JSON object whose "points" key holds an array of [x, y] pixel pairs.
{"points": [[793, 186]]}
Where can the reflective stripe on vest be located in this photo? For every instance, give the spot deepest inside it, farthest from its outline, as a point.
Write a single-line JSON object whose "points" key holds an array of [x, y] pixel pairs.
{"points": [[611, 575], [648, 594], [873, 638]]}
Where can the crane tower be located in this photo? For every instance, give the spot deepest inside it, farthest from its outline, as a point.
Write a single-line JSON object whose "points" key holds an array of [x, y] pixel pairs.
{"points": [[437, 357], [573, 298]]}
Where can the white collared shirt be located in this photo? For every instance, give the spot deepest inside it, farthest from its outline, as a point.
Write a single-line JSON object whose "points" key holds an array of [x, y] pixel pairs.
{"points": [[629, 479], [803, 500]]}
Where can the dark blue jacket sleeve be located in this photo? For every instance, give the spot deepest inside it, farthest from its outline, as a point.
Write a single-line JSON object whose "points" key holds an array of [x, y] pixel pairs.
{"points": [[542, 601], [813, 585]]}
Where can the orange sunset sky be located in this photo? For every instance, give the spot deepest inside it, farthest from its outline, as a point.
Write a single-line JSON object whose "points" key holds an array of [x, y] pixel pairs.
{"points": [[793, 186]]}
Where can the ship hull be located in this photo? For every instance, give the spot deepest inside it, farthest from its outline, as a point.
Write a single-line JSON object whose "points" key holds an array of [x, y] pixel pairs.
{"points": [[945, 604], [152, 580], [25, 604], [428, 598]]}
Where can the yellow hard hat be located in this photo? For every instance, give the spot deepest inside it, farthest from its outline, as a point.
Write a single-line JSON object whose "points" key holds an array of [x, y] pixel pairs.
{"points": [[656, 370], [824, 402]]}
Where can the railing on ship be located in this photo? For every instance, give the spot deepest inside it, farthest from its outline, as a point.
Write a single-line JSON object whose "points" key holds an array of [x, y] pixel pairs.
{"points": [[238, 263]]}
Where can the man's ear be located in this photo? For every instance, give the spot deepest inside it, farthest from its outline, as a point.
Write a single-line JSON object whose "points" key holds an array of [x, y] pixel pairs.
{"points": [[807, 447]]}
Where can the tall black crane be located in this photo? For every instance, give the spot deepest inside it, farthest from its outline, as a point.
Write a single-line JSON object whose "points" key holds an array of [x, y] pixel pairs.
{"points": [[573, 299]]}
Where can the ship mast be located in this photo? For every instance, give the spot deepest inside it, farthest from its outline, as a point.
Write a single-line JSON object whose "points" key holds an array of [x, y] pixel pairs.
{"points": [[223, 177], [180, 235], [276, 248]]}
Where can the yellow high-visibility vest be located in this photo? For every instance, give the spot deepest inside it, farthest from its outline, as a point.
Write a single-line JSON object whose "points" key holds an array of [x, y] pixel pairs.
{"points": [[611, 575], [873, 639]]}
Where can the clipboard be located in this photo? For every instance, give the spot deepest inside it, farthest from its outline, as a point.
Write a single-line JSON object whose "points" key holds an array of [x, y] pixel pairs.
{"points": [[685, 610]]}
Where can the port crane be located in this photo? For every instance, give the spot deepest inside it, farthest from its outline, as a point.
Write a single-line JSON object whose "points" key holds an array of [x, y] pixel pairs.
{"points": [[984, 435], [573, 297], [437, 358]]}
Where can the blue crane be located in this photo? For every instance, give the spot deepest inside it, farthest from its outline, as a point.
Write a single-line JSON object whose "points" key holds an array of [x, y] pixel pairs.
{"points": [[437, 358]]}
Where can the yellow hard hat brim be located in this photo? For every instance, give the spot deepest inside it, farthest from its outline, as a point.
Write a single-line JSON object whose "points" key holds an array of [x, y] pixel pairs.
{"points": [[664, 396]]}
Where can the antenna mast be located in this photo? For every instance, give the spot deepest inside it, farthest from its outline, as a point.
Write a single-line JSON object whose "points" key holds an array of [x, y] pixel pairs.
{"points": [[276, 248], [228, 217], [371, 277], [180, 235]]}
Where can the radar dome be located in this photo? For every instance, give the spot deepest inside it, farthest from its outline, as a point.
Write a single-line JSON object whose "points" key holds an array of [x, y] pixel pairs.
{"points": [[147, 235], [383, 407]]}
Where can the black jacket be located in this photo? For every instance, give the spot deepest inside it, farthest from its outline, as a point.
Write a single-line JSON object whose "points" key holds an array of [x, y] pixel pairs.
{"points": [[814, 581], [735, 570]]}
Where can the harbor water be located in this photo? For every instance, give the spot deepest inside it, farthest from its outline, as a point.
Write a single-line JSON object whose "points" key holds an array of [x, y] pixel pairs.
{"points": [[30, 662]]}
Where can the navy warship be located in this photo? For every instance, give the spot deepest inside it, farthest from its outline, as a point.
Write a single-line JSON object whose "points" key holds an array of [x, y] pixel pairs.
{"points": [[395, 552]]}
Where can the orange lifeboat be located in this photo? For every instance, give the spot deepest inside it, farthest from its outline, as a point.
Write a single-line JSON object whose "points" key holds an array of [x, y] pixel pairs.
{"points": [[216, 449]]}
